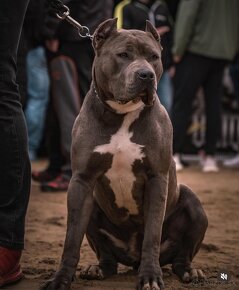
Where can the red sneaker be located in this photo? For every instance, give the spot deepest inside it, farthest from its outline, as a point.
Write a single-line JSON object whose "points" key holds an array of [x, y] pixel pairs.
{"points": [[10, 270], [60, 183]]}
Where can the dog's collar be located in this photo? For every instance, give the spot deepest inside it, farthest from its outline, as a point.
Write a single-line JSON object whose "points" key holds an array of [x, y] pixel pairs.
{"points": [[101, 101], [119, 107]]}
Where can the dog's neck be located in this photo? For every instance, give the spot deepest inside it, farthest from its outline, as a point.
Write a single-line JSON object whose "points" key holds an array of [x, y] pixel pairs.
{"points": [[101, 100], [118, 107], [125, 108]]}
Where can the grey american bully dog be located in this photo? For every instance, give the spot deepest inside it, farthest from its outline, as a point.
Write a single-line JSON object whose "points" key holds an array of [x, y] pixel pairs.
{"points": [[123, 193]]}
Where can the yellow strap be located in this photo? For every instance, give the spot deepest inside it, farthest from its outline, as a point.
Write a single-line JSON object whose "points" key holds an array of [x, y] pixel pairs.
{"points": [[118, 13]]}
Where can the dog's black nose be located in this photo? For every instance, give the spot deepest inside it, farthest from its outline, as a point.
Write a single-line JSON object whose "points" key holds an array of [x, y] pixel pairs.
{"points": [[145, 75]]}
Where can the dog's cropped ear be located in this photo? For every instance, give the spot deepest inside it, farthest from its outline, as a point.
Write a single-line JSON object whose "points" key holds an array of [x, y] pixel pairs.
{"points": [[151, 29], [104, 30]]}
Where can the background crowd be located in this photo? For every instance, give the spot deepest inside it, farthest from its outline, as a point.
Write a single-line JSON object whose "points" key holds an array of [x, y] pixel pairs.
{"points": [[199, 39]]}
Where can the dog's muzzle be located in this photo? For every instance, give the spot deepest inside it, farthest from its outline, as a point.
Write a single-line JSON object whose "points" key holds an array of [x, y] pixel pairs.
{"points": [[145, 75], [144, 88]]}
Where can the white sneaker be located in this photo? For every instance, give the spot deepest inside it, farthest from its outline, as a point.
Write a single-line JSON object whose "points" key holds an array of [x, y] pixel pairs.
{"points": [[202, 157], [210, 164], [178, 163], [232, 163]]}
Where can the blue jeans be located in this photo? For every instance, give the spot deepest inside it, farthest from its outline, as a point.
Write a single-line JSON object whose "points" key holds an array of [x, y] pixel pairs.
{"points": [[37, 99], [165, 91], [15, 170]]}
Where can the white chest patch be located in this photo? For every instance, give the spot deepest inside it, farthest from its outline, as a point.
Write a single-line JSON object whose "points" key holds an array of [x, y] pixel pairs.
{"points": [[124, 152]]}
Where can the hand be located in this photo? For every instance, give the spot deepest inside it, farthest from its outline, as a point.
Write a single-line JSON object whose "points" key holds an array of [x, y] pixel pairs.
{"points": [[52, 45], [163, 29], [171, 71], [177, 58]]}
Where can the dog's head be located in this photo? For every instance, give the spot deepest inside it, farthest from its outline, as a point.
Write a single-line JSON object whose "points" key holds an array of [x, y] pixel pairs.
{"points": [[127, 65]]}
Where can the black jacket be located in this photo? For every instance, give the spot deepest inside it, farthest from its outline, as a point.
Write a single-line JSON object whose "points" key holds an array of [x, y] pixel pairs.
{"points": [[34, 23]]}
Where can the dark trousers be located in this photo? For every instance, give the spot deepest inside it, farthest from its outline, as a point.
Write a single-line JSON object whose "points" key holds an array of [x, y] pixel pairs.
{"points": [[14, 161], [64, 106], [193, 72], [82, 53], [65, 102], [234, 73]]}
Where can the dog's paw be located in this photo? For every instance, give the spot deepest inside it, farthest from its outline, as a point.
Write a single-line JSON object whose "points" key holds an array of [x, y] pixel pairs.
{"points": [[56, 283], [150, 286], [193, 275], [150, 280], [92, 272], [188, 274]]}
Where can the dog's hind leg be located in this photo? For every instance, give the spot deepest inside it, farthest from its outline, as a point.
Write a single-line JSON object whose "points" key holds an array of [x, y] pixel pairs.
{"points": [[183, 233]]}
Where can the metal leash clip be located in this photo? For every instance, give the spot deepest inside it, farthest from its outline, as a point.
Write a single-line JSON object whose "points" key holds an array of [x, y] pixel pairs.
{"points": [[82, 30]]}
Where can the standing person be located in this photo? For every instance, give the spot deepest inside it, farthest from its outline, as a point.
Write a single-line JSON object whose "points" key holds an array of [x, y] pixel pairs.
{"points": [[14, 161], [206, 38], [37, 75], [70, 62], [134, 16], [173, 7], [234, 74]]}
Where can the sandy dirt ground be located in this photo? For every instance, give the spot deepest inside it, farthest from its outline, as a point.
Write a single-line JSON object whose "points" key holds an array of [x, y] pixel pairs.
{"points": [[219, 193]]}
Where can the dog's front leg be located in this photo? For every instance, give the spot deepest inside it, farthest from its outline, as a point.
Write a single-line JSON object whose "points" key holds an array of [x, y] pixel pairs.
{"points": [[79, 204], [150, 274]]}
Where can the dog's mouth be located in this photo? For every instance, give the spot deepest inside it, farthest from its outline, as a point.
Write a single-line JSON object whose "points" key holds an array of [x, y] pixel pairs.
{"points": [[123, 102], [147, 99], [144, 96]]}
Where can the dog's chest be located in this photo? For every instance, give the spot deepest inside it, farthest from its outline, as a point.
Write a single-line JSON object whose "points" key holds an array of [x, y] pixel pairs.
{"points": [[125, 152]]}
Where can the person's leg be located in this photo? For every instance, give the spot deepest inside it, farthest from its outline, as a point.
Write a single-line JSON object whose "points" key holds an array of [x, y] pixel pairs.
{"points": [[69, 87], [14, 161], [14, 164], [165, 92], [38, 95], [190, 73], [66, 103], [234, 73], [213, 90], [53, 146], [83, 55], [53, 141]]}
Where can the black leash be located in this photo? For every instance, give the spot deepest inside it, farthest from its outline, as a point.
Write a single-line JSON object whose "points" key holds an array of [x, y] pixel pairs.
{"points": [[63, 13]]}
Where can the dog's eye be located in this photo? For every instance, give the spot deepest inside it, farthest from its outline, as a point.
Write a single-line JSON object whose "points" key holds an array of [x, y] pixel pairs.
{"points": [[123, 55], [155, 57]]}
